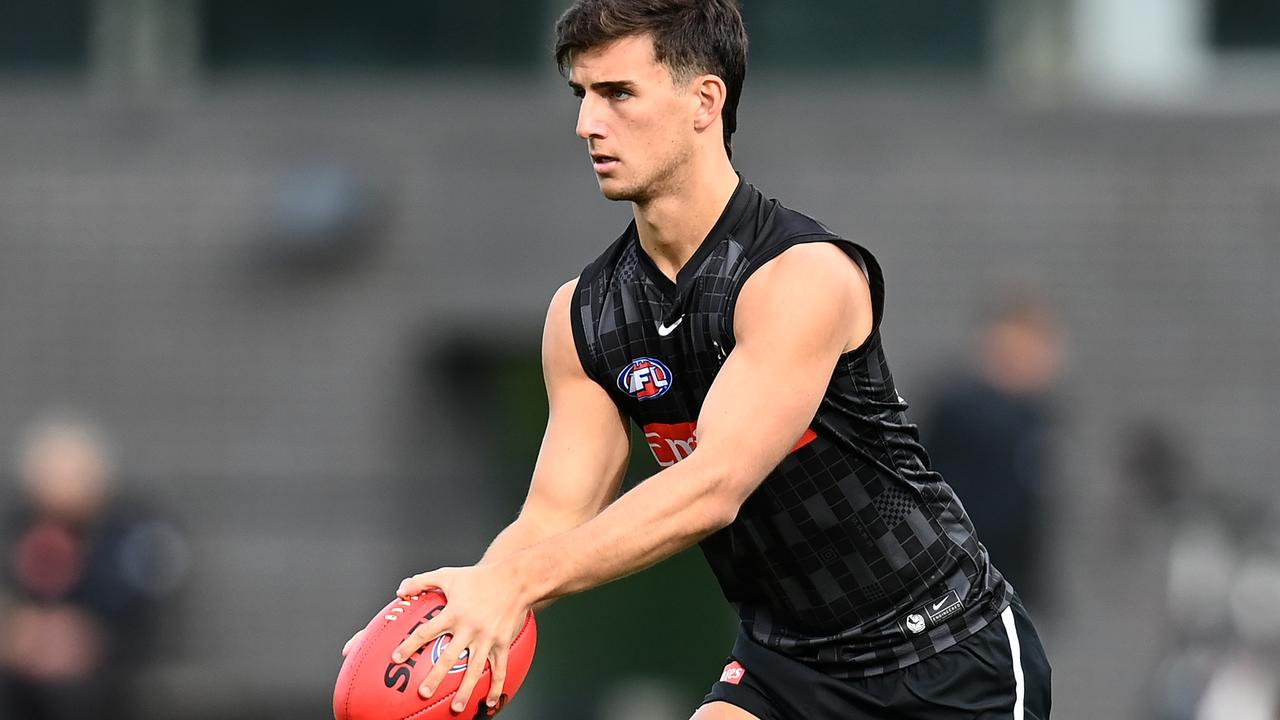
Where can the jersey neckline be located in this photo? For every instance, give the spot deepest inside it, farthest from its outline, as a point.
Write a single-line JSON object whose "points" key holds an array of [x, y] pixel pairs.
{"points": [[727, 221]]}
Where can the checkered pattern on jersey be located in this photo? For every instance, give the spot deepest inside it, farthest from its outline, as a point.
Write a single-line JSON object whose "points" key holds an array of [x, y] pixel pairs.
{"points": [[850, 533]]}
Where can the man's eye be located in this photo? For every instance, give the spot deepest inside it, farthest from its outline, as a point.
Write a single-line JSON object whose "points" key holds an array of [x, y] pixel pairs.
{"points": [[619, 94]]}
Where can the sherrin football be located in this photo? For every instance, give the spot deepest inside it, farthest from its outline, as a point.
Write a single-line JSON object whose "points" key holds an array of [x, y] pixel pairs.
{"points": [[372, 687]]}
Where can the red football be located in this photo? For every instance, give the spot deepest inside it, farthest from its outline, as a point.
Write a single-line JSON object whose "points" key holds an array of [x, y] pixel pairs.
{"points": [[371, 687]]}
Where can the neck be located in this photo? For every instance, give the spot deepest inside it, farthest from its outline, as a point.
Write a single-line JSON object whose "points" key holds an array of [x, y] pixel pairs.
{"points": [[672, 225]]}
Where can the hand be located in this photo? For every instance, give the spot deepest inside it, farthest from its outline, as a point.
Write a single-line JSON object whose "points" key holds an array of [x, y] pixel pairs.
{"points": [[485, 612], [346, 649]]}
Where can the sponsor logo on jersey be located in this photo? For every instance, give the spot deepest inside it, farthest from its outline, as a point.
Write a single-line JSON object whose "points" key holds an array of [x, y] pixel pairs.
{"points": [[915, 623], [665, 330], [438, 647], [931, 614], [645, 379], [943, 607], [733, 673], [672, 442]]}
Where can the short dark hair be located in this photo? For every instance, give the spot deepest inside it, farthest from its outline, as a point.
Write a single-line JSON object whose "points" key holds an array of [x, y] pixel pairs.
{"points": [[689, 37]]}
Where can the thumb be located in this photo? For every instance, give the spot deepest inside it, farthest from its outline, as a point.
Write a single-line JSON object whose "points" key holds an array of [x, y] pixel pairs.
{"points": [[346, 649]]}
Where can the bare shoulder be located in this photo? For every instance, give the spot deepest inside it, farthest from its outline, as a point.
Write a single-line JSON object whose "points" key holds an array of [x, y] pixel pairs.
{"points": [[564, 294], [818, 281], [559, 353], [814, 263], [558, 310]]}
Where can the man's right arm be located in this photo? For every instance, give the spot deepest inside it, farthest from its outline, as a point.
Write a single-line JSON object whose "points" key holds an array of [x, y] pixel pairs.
{"points": [[584, 451]]}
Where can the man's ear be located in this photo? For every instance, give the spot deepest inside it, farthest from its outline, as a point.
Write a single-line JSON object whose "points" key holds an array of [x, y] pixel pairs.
{"points": [[711, 93]]}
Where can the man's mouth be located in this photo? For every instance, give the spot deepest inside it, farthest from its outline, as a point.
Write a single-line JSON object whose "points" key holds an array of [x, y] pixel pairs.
{"points": [[603, 163]]}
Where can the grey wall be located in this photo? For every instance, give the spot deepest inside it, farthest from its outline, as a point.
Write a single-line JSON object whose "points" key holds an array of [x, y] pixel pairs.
{"points": [[285, 419]]}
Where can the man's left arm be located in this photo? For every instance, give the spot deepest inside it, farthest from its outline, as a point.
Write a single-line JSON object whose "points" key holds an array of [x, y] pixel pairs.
{"points": [[794, 318]]}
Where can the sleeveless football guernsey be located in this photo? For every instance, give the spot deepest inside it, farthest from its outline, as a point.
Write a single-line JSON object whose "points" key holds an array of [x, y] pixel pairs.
{"points": [[852, 555]]}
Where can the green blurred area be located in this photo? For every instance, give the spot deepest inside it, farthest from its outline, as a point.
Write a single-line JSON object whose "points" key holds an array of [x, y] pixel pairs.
{"points": [[46, 34], [1245, 24], [386, 34], [424, 33], [427, 35], [408, 35], [869, 34]]}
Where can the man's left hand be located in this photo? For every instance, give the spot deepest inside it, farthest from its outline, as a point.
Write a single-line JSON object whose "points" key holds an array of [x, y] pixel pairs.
{"points": [[485, 611]]}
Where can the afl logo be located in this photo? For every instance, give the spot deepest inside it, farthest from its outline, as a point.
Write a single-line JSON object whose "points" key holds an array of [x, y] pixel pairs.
{"points": [[438, 647], [645, 379]]}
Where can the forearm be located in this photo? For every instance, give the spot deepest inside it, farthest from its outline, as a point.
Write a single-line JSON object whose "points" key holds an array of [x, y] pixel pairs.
{"points": [[663, 515], [517, 536], [525, 532]]}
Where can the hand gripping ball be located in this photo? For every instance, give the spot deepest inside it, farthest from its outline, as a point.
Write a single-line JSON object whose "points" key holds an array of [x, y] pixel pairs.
{"points": [[372, 687]]}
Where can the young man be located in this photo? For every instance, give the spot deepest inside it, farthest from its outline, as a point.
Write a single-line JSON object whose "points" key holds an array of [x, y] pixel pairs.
{"points": [[722, 321]]}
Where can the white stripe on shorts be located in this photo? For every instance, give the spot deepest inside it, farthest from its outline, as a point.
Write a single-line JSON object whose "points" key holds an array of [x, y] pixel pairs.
{"points": [[1018, 690]]}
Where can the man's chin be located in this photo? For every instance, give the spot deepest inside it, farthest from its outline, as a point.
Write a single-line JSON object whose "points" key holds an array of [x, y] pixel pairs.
{"points": [[613, 190]]}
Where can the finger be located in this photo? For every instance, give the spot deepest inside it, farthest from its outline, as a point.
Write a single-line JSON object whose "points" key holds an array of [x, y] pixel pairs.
{"points": [[419, 583], [475, 668], [497, 673], [421, 635], [448, 658], [346, 649]]}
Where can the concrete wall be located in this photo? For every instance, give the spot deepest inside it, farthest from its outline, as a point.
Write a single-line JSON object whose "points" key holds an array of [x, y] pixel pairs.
{"points": [[285, 418]]}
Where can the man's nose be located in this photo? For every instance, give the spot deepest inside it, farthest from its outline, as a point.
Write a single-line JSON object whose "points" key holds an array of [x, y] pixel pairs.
{"points": [[589, 125]]}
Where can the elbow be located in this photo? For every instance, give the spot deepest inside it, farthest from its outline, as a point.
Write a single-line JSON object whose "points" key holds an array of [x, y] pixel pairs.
{"points": [[728, 513], [724, 501], [720, 514]]}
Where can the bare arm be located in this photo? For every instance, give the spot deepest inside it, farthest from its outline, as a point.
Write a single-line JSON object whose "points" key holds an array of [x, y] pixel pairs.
{"points": [[584, 450]]}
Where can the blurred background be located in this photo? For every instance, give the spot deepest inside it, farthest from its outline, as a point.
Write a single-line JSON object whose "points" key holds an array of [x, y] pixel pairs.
{"points": [[273, 273]]}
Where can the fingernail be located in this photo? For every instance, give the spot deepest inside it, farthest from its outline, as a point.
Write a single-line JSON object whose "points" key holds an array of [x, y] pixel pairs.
{"points": [[491, 703], [425, 691], [397, 657], [458, 707]]}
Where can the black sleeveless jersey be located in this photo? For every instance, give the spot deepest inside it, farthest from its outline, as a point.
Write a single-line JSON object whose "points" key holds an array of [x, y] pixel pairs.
{"points": [[852, 555]]}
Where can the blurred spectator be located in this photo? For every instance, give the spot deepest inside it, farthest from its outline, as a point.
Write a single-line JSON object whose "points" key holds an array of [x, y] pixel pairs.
{"points": [[1223, 655], [988, 434], [78, 576]]}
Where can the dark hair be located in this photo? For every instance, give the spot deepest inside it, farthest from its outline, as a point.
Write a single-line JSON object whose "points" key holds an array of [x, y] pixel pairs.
{"points": [[689, 37]]}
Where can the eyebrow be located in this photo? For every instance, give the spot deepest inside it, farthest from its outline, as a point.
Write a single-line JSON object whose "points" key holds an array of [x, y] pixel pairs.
{"points": [[606, 86]]}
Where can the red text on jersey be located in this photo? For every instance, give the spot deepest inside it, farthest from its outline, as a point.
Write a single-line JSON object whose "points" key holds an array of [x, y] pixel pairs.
{"points": [[733, 673], [673, 442]]}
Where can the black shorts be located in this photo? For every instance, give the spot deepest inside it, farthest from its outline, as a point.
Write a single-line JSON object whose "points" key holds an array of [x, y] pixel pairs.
{"points": [[999, 673]]}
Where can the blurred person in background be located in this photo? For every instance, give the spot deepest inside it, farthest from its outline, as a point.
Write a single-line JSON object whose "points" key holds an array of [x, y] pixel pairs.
{"points": [[1222, 654], [989, 434], [79, 572]]}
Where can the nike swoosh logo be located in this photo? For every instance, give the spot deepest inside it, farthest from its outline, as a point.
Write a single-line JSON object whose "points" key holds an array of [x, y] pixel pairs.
{"points": [[938, 605], [665, 330]]}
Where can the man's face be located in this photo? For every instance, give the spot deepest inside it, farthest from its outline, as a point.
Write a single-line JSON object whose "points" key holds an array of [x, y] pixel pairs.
{"points": [[636, 121]]}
